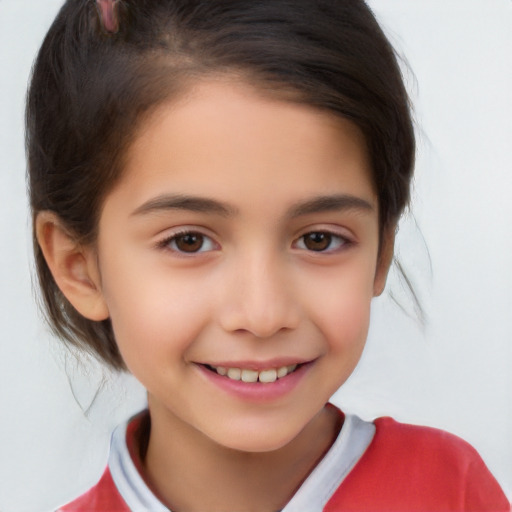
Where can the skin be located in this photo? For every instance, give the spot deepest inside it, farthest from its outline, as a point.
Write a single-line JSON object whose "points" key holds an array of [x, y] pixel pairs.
{"points": [[254, 291]]}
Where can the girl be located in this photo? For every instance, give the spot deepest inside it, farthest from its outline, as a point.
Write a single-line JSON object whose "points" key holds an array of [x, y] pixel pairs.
{"points": [[215, 188]]}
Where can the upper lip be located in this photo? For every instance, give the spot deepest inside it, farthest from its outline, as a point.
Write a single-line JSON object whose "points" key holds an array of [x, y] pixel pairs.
{"points": [[259, 365]]}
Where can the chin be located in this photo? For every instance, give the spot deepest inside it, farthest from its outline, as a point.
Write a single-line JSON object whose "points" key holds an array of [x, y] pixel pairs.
{"points": [[256, 445], [257, 438]]}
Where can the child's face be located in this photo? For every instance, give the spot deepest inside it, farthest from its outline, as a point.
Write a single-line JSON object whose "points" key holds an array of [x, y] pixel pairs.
{"points": [[243, 234]]}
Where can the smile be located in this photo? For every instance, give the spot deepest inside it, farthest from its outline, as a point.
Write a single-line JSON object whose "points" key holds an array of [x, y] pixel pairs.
{"points": [[248, 375]]}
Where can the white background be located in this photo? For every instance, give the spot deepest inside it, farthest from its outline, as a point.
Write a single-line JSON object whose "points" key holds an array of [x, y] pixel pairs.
{"points": [[455, 373]]}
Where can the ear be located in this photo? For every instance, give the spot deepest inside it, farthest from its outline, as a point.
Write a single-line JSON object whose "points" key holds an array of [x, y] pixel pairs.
{"points": [[73, 266], [384, 260]]}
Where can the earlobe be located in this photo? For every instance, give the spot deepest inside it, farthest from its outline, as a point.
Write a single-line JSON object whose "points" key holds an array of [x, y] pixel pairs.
{"points": [[73, 266], [384, 261]]}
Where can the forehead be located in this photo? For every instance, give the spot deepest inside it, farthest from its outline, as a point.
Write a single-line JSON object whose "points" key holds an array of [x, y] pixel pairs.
{"points": [[226, 138]]}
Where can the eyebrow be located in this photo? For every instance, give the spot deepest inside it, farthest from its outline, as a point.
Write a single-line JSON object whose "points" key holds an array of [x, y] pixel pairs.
{"points": [[328, 203], [185, 202]]}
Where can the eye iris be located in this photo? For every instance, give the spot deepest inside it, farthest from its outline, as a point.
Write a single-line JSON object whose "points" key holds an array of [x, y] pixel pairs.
{"points": [[317, 241], [189, 242]]}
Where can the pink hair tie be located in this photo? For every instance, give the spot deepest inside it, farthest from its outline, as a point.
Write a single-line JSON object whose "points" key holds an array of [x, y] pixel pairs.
{"points": [[108, 11]]}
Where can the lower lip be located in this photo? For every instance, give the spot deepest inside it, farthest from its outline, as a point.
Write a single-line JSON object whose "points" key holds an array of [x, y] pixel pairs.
{"points": [[258, 391]]}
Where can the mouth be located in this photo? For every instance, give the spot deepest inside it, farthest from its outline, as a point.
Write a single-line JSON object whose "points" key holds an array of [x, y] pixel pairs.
{"points": [[248, 375]]}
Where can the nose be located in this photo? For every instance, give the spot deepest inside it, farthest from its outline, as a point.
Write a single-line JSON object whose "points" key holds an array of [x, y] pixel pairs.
{"points": [[260, 298]]}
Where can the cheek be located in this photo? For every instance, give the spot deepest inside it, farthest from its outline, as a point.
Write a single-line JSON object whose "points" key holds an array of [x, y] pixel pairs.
{"points": [[345, 331], [343, 311], [155, 316], [348, 324]]}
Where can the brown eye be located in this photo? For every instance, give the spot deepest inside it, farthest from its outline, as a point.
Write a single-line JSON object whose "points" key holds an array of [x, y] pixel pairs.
{"points": [[190, 242], [317, 241], [322, 241]]}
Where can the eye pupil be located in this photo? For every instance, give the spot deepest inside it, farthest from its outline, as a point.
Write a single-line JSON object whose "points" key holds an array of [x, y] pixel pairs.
{"points": [[317, 241], [189, 242]]}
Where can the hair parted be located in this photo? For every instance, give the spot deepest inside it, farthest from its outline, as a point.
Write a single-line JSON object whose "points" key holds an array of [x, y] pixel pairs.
{"points": [[91, 88]]}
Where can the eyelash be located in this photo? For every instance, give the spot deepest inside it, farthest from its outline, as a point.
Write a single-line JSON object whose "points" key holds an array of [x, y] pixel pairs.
{"points": [[167, 243], [323, 236], [342, 243]]}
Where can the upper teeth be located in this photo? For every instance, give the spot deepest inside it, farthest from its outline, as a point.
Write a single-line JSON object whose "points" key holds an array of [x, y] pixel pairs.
{"points": [[245, 375]]}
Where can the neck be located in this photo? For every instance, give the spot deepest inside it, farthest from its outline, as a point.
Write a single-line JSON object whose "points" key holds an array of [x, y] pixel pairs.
{"points": [[188, 471]]}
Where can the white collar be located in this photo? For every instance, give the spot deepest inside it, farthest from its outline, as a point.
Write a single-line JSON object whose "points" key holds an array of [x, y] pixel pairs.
{"points": [[351, 443]]}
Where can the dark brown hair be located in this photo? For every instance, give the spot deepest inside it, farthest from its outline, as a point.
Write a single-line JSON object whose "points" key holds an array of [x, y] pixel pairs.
{"points": [[91, 88]]}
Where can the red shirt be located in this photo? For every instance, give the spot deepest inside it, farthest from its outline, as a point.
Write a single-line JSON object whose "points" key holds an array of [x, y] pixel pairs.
{"points": [[383, 466]]}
